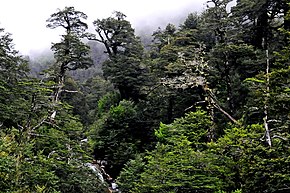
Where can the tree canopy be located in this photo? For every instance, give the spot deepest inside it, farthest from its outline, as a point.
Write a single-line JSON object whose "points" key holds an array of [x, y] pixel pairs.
{"points": [[204, 108]]}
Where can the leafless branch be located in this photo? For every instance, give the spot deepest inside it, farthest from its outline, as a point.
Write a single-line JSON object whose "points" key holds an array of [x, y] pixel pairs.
{"points": [[279, 137], [37, 135], [70, 91], [51, 154], [225, 113], [21, 127], [39, 124], [217, 106]]}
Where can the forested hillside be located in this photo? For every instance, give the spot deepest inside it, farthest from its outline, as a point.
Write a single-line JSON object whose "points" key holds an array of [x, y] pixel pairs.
{"points": [[204, 108]]}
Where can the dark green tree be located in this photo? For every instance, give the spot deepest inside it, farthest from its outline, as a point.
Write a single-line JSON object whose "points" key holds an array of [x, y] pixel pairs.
{"points": [[172, 51], [269, 93], [116, 136], [259, 21], [125, 68], [92, 90], [230, 58], [13, 71], [71, 53]]}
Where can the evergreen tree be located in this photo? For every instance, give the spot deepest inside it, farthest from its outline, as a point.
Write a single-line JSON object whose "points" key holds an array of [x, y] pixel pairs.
{"points": [[178, 164], [71, 53], [116, 136], [125, 68], [13, 72]]}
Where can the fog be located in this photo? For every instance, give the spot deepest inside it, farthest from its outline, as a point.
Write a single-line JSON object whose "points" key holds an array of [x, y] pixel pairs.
{"points": [[26, 19]]}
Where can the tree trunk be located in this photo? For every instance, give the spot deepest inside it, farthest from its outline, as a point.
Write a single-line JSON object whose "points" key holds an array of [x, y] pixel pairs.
{"points": [[266, 107]]}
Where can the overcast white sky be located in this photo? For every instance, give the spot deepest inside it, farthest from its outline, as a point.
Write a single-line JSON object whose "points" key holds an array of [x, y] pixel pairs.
{"points": [[25, 19]]}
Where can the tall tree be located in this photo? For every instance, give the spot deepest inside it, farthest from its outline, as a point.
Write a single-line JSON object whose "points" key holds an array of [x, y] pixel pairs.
{"points": [[71, 53], [258, 21], [116, 33], [125, 67], [230, 59], [172, 49]]}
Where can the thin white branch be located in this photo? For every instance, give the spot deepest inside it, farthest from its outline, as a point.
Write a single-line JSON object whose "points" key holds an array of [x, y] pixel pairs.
{"points": [[51, 154], [37, 135], [39, 124], [20, 126], [266, 107], [279, 137], [274, 121], [217, 106], [70, 91]]}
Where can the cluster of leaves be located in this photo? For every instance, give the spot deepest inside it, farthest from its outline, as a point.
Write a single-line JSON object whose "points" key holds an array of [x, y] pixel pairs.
{"points": [[236, 161]]}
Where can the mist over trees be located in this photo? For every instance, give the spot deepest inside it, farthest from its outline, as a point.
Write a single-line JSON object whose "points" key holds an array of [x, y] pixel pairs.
{"points": [[203, 107]]}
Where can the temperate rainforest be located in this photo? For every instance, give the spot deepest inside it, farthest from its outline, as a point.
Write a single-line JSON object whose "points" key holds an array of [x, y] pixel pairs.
{"points": [[202, 106]]}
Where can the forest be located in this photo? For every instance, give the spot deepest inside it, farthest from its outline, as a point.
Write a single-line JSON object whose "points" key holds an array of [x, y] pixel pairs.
{"points": [[201, 107]]}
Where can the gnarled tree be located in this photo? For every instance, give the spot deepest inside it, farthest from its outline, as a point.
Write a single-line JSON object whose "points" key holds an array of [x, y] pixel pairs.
{"points": [[70, 53], [125, 67]]}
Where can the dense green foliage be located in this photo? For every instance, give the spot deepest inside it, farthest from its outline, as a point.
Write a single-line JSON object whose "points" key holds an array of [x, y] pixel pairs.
{"points": [[205, 108]]}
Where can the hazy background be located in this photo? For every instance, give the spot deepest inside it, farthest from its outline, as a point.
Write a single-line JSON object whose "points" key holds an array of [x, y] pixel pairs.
{"points": [[26, 20]]}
